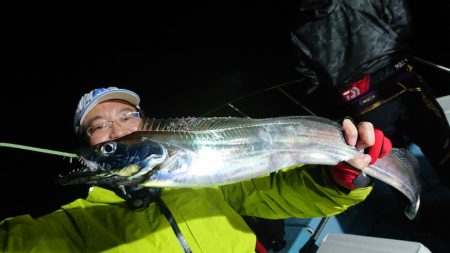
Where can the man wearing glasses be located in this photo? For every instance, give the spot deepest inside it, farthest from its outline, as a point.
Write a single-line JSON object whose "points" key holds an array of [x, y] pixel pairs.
{"points": [[207, 219]]}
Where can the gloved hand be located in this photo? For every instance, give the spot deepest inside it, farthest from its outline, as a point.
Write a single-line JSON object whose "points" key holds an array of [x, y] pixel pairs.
{"points": [[375, 145]]}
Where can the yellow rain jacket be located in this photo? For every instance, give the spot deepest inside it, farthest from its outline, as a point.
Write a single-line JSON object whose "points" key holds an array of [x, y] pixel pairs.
{"points": [[209, 218]]}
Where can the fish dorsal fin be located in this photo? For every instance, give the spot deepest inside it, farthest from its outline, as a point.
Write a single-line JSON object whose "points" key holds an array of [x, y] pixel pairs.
{"points": [[192, 124]]}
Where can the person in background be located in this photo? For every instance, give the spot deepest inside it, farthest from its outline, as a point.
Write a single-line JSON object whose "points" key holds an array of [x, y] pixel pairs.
{"points": [[186, 220], [355, 56]]}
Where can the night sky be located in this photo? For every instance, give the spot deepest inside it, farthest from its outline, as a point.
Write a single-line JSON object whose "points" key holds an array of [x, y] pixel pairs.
{"points": [[183, 59]]}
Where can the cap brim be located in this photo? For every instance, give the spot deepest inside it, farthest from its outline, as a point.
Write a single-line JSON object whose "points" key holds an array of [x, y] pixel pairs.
{"points": [[125, 95]]}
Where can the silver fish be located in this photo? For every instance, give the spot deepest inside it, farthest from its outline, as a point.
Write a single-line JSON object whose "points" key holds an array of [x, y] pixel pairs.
{"points": [[192, 152]]}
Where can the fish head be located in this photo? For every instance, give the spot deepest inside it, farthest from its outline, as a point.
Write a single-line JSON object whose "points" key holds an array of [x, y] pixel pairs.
{"points": [[124, 161]]}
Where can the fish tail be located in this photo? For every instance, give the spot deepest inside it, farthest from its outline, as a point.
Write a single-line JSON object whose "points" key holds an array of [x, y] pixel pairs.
{"points": [[400, 169]]}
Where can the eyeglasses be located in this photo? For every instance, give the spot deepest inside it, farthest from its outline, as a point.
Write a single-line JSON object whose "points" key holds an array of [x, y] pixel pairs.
{"points": [[128, 119]]}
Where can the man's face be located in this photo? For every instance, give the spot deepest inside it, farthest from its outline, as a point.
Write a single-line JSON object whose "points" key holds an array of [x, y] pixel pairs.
{"points": [[110, 120]]}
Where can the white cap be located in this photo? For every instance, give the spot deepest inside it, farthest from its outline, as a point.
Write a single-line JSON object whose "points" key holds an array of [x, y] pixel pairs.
{"points": [[96, 96]]}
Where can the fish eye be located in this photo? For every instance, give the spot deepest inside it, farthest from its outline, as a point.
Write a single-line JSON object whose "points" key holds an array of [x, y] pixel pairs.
{"points": [[109, 147]]}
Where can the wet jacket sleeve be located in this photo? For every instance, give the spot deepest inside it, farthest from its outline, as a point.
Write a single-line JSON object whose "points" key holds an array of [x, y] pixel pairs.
{"points": [[304, 192]]}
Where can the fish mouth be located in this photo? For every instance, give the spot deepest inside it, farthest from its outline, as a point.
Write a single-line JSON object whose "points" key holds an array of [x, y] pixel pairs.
{"points": [[82, 171], [88, 172]]}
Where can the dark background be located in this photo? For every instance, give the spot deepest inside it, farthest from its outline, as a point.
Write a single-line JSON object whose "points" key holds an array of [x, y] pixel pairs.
{"points": [[183, 59]]}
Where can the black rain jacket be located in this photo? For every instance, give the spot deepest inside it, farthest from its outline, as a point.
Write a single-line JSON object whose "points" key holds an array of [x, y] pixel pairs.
{"points": [[339, 41]]}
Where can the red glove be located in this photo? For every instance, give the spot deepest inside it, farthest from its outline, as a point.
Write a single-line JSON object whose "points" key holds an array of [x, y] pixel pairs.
{"points": [[351, 178], [381, 147]]}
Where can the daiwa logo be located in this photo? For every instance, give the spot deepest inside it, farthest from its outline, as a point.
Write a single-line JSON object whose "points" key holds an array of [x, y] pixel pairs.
{"points": [[352, 93], [356, 89]]}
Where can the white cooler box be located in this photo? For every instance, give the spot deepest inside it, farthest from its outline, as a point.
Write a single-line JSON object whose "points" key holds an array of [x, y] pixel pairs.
{"points": [[346, 243]]}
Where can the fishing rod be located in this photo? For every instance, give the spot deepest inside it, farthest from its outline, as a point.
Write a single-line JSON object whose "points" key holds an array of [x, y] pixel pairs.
{"points": [[35, 149], [440, 67]]}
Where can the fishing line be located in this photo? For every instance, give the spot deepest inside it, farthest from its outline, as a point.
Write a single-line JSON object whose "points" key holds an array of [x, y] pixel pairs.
{"points": [[296, 101], [237, 110], [41, 150], [253, 94], [279, 87]]}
